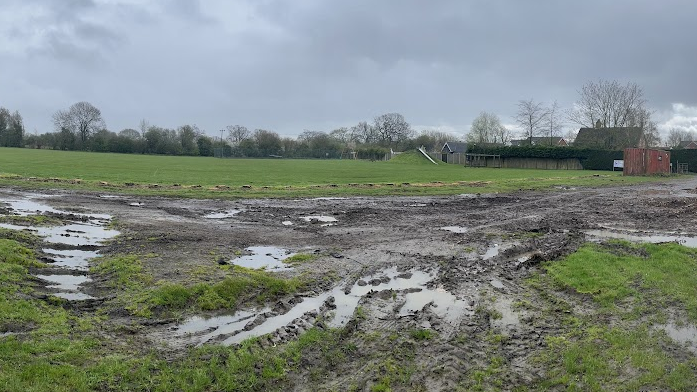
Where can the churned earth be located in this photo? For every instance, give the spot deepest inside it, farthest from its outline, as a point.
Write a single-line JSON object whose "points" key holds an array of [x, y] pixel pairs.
{"points": [[424, 293]]}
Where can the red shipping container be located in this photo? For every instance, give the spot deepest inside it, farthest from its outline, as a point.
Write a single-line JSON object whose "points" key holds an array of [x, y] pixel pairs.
{"points": [[643, 161]]}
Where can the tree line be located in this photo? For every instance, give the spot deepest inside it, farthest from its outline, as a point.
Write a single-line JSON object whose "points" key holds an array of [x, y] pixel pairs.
{"points": [[82, 128], [602, 104]]}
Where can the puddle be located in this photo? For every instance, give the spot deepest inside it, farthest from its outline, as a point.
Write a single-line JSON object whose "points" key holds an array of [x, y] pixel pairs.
{"points": [[417, 205], [73, 233], [492, 252], [77, 234], [268, 257], [222, 215], [76, 296], [136, 204], [287, 223], [508, 316], [64, 282], [497, 283], [27, 207], [330, 198], [653, 238], [686, 334], [444, 304], [455, 229], [319, 218], [110, 196], [73, 259]]}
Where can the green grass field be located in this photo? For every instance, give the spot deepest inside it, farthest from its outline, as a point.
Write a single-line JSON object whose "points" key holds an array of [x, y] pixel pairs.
{"points": [[406, 174]]}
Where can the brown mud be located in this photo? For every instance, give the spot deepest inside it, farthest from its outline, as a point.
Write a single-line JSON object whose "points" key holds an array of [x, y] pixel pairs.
{"points": [[380, 266]]}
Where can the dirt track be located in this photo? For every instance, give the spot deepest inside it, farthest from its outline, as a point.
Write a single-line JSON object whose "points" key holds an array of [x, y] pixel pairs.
{"points": [[504, 236]]}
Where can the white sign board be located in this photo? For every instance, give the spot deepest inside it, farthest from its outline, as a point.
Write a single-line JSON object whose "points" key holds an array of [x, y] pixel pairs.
{"points": [[618, 163]]}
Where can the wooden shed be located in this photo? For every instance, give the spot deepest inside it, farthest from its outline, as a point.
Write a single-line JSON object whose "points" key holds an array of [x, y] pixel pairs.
{"points": [[643, 161]]}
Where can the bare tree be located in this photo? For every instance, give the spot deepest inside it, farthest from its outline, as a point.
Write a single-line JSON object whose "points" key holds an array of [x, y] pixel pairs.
{"points": [[487, 128], [554, 121], [363, 132], [391, 128], [144, 126], [608, 102], [237, 133], [81, 119], [677, 135], [531, 116]]}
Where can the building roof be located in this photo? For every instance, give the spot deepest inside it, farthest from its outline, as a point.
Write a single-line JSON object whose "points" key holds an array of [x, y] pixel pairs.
{"points": [[616, 138], [686, 143], [454, 147]]}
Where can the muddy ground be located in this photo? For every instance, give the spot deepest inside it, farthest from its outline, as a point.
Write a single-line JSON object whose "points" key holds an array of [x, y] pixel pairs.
{"points": [[470, 252]]}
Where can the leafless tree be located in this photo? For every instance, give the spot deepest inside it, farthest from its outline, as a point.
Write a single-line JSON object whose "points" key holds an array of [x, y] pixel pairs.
{"points": [[608, 102], [144, 126], [531, 117], [81, 119], [554, 121], [677, 135], [641, 118], [363, 133], [487, 128], [237, 133], [391, 128]]}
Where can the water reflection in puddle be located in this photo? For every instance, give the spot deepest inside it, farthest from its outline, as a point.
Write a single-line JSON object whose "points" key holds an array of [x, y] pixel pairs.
{"points": [[653, 238], [497, 283], [64, 282], [74, 233], [73, 259], [77, 234], [492, 252], [328, 220], [268, 257], [418, 295], [455, 229], [287, 223], [222, 215], [686, 334]]}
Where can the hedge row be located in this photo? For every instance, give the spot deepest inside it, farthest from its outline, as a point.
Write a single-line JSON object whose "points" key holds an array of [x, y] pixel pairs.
{"points": [[591, 159]]}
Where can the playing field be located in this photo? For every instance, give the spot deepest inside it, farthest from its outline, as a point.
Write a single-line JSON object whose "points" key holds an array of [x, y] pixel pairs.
{"points": [[118, 169]]}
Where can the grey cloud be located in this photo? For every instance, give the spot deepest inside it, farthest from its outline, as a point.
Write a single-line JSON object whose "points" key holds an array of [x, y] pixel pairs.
{"points": [[315, 64]]}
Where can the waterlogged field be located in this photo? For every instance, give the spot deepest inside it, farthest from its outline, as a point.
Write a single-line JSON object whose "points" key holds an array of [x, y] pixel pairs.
{"points": [[228, 178], [577, 289]]}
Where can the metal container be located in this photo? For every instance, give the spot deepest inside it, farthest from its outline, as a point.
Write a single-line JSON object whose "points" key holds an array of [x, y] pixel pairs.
{"points": [[645, 161]]}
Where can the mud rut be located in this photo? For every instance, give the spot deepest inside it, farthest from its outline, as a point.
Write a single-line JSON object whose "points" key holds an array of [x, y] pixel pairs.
{"points": [[390, 256]]}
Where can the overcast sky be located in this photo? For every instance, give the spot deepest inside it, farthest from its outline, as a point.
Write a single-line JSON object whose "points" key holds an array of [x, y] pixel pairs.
{"points": [[290, 65]]}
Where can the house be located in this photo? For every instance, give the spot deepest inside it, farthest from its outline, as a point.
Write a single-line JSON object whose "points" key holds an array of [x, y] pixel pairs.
{"points": [[614, 138], [453, 152], [541, 141], [688, 145], [454, 148]]}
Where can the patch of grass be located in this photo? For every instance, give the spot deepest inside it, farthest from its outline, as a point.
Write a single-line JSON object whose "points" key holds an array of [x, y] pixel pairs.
{"points": [[422, 334], [30, 220], [482, 379], [11, 252], [123, 271], [21, 236], [300, 258], [611, 277], [138, 294], [599, 358]]}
